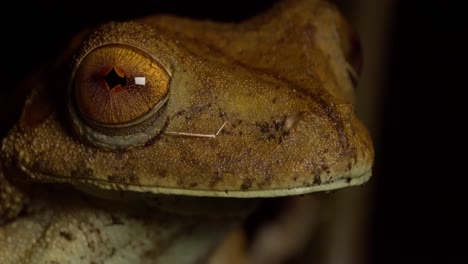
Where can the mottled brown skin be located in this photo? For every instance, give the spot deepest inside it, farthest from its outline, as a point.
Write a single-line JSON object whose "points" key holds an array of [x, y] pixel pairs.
{"points": [[281, 81]]}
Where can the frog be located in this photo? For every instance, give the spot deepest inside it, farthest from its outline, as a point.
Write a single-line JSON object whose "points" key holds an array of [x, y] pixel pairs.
{"points": [[200, 118]]}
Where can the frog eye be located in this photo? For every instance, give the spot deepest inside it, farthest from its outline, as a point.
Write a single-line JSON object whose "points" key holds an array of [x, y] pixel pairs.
{"points": [[114, 89], [118, 84]]}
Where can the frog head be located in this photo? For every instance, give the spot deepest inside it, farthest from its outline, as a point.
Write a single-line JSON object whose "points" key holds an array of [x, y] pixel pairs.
{"points": [[173, 106]]}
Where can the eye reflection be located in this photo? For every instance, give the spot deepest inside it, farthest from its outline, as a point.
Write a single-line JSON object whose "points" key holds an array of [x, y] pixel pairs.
{"points": [[140, 80]]}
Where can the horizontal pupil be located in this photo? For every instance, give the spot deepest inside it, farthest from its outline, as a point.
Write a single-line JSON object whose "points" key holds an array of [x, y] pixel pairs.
{"points": [[113, 79]]}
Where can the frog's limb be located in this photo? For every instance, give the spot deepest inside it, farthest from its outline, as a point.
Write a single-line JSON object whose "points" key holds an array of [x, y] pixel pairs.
{"points": [[12, 198]]}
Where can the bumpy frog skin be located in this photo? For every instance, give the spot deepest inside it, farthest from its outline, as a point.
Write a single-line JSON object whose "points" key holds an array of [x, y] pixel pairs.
{"points": [[62, 226], [281, 82], [282, 85]]}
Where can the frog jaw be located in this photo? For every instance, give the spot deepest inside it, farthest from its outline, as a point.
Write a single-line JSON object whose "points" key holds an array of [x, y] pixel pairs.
{"points": [[336, 184]]}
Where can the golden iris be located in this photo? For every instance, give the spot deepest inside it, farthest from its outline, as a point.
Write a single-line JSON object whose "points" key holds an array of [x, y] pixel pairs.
{"points": [[117, 84]]}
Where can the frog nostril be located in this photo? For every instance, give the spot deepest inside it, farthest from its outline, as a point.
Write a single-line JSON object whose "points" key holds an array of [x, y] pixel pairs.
{"points": [[115, 78]]}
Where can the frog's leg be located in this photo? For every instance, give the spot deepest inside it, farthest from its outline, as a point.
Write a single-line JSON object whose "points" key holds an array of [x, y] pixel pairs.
{"points": [[12, 198]]}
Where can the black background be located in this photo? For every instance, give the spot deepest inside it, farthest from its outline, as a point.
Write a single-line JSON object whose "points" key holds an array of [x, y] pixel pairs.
{"points": [[419, 198]]}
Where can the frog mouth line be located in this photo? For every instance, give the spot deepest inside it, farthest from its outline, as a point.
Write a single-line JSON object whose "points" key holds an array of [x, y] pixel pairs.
{"points": [[339, 183]]}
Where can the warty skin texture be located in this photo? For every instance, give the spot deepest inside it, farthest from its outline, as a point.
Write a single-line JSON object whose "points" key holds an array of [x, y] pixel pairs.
{"points": [[284, 89]]}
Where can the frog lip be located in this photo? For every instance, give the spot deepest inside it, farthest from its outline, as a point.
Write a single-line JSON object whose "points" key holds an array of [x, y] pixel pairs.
{"points": [[360, 178]]}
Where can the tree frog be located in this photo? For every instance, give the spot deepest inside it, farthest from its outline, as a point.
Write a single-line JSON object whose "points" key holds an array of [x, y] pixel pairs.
{"points": [[192, 116]]}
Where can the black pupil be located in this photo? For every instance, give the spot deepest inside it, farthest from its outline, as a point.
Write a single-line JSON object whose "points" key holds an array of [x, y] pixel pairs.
{"points": [[113, 79]]}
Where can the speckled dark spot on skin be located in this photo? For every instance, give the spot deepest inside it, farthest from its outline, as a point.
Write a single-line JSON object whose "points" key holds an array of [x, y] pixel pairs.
{"points": [[82, 172], [67, 235], [317, 179], [158, 136], [129, 178], [215, 179], [188, 158], [306, 183], [349, 166], [181, 182], [152, 140], [348, 180], [278, 123], [263, 126], [222, 114], [162, 173], [326, 168], [225, 131], [236, 122], [273, 130], [232, 125], [246, 184], [335, 120], [282, 136], [190, 112]]}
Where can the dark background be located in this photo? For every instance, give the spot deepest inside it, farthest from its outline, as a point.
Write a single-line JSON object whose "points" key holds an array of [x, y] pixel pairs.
{"points": [[418, 197], [421, 206]]}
